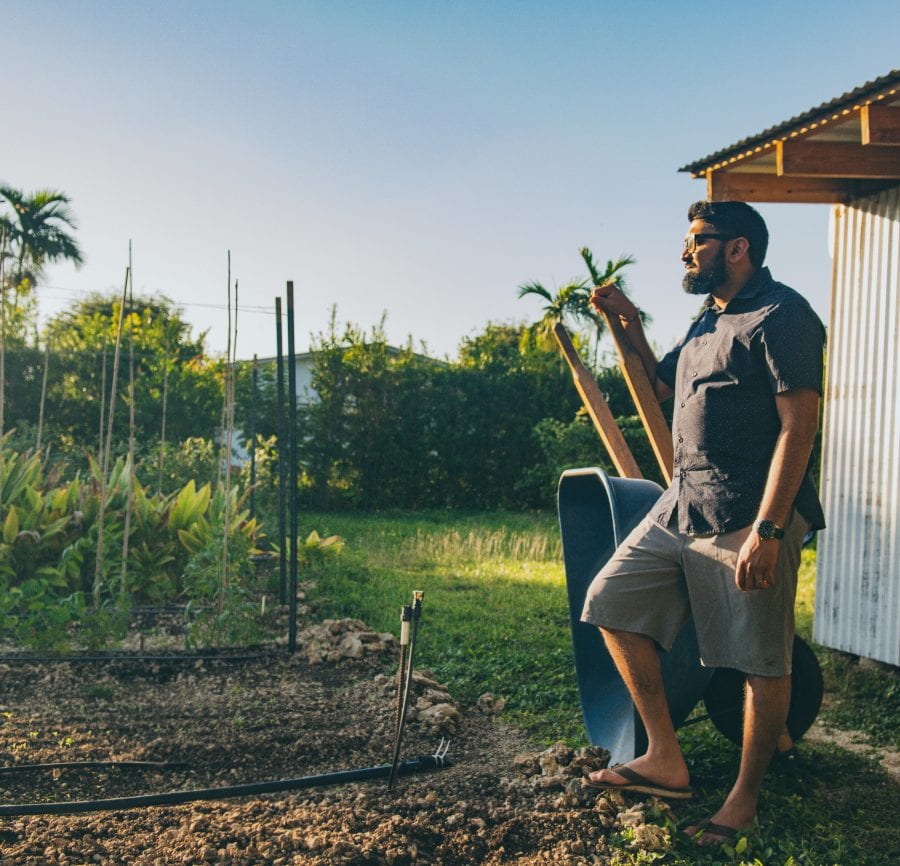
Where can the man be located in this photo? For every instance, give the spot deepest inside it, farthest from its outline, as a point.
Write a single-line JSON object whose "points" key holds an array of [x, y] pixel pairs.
{"points": [[723, 542]]}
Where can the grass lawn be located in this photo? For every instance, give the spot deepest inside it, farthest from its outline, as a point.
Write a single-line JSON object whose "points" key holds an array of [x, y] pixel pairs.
{"points": [[495, 618]]}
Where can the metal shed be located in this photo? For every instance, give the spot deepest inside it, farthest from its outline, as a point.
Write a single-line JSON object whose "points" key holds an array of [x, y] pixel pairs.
{"points": [[846, 153]]}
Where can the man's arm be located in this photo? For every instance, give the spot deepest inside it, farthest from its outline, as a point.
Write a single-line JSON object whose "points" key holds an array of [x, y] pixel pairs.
{"points": [[798, 411], [611, 299]]}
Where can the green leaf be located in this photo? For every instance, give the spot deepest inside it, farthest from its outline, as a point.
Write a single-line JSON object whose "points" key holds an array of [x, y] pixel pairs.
{"points": [[11, 526]]}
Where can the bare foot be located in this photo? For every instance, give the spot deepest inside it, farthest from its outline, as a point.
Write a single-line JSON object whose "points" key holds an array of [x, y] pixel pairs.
{"points": [[668, 772]]}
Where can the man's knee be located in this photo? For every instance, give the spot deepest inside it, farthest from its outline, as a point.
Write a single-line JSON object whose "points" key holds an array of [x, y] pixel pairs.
{"points": [[620, 637]]}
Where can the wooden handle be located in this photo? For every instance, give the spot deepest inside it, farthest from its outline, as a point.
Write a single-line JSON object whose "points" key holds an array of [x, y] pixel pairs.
{"points": [[644, 397], [597, 407]]}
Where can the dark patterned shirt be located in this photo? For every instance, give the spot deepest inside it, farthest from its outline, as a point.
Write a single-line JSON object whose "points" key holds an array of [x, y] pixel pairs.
{"points": [[725, 374]]}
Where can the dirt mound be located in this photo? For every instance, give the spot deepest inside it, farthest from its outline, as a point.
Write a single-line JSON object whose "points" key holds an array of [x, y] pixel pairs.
{"points": [[226, 722]]}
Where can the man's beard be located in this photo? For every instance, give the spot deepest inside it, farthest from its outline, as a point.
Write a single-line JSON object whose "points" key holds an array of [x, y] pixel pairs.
{"points": [[703, 281]]}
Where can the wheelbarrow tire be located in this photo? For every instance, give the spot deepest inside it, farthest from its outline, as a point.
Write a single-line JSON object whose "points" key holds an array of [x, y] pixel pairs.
{"points": [[724, 696]]}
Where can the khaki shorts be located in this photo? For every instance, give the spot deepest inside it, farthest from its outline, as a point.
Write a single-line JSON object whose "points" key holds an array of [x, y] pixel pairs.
{"points": [[658, 577]]}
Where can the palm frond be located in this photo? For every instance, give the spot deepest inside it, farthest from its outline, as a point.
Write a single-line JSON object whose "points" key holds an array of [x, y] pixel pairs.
{"points": [[534, 288]]}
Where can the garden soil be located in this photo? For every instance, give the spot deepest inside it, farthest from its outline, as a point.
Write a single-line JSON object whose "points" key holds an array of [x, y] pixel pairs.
{"points": [[330, 706]]}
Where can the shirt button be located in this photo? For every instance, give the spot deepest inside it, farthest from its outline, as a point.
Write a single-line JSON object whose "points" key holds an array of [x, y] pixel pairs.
{"points": [[682, 405], [681, 439], [694, 373]]}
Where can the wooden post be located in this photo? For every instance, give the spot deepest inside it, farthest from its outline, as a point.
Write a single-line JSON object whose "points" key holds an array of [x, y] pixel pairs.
{"points": [[597, 407], [644, 397]]}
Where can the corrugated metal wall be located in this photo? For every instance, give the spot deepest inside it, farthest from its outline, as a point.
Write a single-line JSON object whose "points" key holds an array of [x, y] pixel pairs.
{"points": [[858, 574]]}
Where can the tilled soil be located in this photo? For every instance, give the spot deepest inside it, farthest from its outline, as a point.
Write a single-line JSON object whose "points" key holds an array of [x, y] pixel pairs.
{"points": [[221, 723]]}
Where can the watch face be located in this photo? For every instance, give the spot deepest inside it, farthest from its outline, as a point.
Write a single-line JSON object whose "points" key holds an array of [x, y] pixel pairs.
{"points": [[767, 530]]}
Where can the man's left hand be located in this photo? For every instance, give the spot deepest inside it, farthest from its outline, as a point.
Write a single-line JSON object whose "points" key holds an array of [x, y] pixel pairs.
{"points": [[756, 564]]}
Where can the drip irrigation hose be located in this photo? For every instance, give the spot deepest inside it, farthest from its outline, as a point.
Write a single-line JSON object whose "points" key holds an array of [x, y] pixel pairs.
{"points": [[138, 657], [66, 765], [416, 614], [429, 762]]}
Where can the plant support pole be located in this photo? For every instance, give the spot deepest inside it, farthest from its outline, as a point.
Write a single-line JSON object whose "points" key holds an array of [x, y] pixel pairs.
{"points": [[129, 498], [40, 429], [254, 385], [282, 462], [104, 468], [292, 468]]}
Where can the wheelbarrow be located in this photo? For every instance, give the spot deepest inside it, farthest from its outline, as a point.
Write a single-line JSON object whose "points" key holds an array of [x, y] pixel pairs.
{"points": [[596, 512]]}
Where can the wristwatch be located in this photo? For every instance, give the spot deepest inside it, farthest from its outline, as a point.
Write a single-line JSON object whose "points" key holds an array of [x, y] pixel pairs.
{"points": [[767, 530]]}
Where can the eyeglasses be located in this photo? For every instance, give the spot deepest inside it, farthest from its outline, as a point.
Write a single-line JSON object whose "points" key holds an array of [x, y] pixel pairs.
{"points": [[692, 240]]}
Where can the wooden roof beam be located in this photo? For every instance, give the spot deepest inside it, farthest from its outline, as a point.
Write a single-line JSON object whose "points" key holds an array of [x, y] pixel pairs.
{"points": [[880, 124], [805, 158], [754, 187]]}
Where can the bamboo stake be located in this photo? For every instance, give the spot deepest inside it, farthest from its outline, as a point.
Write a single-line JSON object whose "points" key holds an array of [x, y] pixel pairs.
{"points": [[644, 397], [102, 404], [229, 374], [104, 470], [597, 407], [129, 495], [40, 429], [254, 382], [2, 330], [162, 435]]}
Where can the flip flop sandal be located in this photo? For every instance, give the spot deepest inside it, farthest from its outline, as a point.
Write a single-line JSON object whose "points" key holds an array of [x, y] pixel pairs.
{"points": [[638, 784], [728, 834]]}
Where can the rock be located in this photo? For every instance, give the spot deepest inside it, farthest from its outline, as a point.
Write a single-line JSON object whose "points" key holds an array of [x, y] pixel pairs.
{"points": [[651, 837], [527, 765], [631, 817], [589, 759], [421, 678], [351, 647], [444, 718], [491, 705], [554, 759], [437, 696]]}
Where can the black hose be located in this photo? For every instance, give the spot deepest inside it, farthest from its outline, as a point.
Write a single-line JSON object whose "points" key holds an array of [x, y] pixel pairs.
{"points": [[137, 657], [67, 765], [429, 762]]}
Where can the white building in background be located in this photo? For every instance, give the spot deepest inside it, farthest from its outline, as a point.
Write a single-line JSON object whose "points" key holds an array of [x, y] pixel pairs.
{"points": [[846, 153]]}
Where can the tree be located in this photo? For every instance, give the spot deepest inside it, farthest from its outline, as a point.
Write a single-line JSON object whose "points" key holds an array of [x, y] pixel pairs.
{"points": [[37, 230], [571, 303], [168, 359]]}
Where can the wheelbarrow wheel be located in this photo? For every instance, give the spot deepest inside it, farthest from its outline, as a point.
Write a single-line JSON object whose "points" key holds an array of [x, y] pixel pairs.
{"points": [[724, 696]]}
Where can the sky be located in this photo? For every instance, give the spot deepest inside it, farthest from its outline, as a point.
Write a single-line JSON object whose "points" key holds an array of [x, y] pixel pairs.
{"points": [[418, 160]]}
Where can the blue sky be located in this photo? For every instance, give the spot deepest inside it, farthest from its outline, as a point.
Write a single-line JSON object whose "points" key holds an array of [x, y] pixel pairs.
{"points": [[422, 159]]}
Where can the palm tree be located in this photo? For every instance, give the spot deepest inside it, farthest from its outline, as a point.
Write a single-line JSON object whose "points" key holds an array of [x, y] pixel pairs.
{"points": [[37, 234], [571, 303]]}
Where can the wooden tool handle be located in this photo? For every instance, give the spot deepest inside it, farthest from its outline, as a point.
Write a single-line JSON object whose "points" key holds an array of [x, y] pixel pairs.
{"points": [[644, 397], [597, 407]]}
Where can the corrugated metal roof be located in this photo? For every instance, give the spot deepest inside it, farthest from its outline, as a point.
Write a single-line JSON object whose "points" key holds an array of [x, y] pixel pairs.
{"points": [[865, 92]]}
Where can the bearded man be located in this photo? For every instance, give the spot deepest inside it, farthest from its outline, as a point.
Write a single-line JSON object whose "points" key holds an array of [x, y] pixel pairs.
{"points": [[723, 542]]}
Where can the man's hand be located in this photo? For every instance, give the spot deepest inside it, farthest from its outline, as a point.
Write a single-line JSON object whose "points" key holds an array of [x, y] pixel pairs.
{"points": [[756, 563], [610, 298]]}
